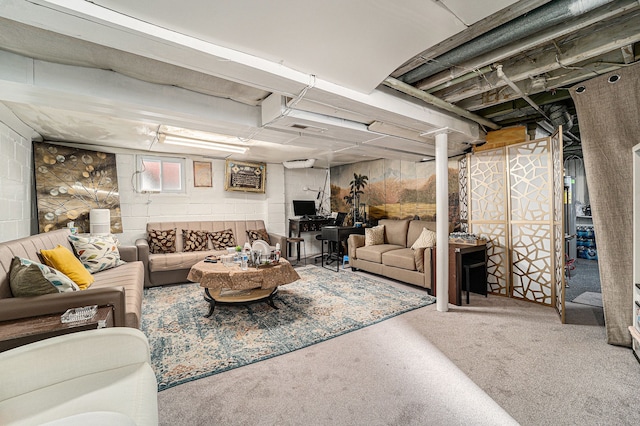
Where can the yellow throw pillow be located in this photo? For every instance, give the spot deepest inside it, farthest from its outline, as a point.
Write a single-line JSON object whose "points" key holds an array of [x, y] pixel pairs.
{"points": [[62, 259]]}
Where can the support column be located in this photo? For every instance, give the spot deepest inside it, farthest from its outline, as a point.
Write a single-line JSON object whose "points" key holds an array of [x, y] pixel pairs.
{"points": [[442, 223]]}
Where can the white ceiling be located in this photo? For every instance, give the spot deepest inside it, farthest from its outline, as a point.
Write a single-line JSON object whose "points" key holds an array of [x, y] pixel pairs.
{"points": [[110, 72]]}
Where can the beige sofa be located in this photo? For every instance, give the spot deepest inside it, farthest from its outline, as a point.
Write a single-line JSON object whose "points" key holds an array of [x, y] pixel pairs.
{"points": [[120, 287], [395, 258], [173, 268]]}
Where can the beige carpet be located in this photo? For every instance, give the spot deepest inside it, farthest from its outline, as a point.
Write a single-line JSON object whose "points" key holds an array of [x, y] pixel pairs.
{"points": [[540, 371]]}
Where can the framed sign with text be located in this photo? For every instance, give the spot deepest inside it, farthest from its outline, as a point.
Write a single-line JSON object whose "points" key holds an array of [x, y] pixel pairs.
{"points": [[245, 176]]}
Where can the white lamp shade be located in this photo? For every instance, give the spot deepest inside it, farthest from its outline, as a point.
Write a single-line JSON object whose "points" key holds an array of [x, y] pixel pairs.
{"points": [[100, 221]]}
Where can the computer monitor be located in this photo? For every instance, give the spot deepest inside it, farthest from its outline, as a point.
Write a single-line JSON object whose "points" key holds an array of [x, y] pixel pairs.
{"points": [[304, 208]]}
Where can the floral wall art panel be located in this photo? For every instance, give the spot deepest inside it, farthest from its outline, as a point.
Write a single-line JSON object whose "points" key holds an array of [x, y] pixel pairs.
{"points": [[72, 181]]}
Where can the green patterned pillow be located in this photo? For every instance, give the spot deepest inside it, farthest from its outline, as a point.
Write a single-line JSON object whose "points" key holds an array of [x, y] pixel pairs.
{"points": [[96, 253], [28, 278]]}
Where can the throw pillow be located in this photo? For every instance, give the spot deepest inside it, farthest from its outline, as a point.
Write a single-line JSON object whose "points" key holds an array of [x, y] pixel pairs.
{"points": [[28, 278], [426, 239], [194, 240], [62, 259], [258, 234], [221, 240], [374, 236], [162, 241], [418, 256], [96, 253]]}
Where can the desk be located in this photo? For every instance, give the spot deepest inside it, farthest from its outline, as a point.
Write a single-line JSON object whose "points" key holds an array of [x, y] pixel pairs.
{"points": [[297, 226], [338, 234]]}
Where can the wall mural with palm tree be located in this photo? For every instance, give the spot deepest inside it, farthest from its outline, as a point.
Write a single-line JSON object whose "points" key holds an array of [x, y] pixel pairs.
{"points": [[390, 189]]}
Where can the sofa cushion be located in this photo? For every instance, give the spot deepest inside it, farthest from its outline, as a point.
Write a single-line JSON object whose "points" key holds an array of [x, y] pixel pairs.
{"points": [[180, 260], [258, 234], [62, 259], [374, 253], [222, 239], [195, 240], [28, 278], [426, 239], [401, 258], [374, 236], [395, 231], [162, 241], [96, 253]]}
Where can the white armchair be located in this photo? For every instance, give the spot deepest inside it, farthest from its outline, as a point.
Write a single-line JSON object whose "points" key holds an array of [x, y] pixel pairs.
{"points": [[91, 377]]}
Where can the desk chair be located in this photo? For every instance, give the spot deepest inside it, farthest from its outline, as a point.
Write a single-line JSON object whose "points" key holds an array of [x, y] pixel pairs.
{"points": [[339, 220]]}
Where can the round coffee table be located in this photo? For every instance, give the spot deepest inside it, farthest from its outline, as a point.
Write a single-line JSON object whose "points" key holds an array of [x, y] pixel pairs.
{"points": [[231, 285]]}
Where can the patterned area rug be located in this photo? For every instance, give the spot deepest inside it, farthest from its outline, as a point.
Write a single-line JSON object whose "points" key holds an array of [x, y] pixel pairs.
{"points": [[323, 304], [589, 298]]}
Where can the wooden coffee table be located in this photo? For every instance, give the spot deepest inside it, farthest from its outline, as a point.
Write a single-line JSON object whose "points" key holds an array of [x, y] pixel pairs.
{"points": [[231, 285]]}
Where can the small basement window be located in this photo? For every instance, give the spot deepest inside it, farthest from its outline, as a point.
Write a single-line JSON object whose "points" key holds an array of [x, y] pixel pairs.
{"points": [[160, 174]]}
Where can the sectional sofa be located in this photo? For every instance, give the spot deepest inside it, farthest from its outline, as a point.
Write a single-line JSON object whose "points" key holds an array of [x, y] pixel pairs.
{"points": [[393, 257], [120, 287], [172, 260]]}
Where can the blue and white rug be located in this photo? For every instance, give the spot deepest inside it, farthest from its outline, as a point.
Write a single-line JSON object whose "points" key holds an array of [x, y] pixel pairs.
{"points": [[323, 304]]}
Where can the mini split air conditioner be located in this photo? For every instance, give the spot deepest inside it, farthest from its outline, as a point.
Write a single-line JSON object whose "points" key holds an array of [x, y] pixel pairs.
{"points": [[299, 164]]}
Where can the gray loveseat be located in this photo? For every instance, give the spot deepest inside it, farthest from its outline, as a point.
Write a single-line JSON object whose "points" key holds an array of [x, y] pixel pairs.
{"points": [[120, 287], [395, 258], [173, 268]]}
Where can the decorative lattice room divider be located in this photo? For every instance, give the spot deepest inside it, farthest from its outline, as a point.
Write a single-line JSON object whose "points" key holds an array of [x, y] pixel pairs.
{"points": [[513, 196]]}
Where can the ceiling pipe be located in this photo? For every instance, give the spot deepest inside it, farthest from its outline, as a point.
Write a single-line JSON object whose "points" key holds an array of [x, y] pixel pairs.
{"points": [[435, 101], [546, 16], [516, 89], [460, 79]]}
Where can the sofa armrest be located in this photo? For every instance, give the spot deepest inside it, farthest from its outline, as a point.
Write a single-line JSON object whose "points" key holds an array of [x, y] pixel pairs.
{"points": [[12, 308], [142, 246], [282, 240], [354, 241], [128, 253], [105, 370], [429, 269]]}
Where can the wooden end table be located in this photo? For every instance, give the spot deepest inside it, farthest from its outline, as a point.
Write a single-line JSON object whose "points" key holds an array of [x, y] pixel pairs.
{"points": [[229, 284], [20, 332]]}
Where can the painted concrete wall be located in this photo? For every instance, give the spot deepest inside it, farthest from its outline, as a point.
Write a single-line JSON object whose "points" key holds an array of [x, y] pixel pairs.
{"points": [[274, 207], [15, 178]]}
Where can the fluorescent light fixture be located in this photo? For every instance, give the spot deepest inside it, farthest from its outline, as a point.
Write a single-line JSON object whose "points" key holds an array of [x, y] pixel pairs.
{"points": [[204, 144]]}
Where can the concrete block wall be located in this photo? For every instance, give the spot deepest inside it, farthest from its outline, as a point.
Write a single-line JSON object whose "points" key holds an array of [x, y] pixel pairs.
{"points": [[16, 171], [200, 203]]}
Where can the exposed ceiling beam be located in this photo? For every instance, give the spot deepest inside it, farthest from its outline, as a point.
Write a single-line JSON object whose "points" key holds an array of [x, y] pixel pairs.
{"points": [[433, 100], [499, 55], [527, 66], [479, 28], [565, 78]]}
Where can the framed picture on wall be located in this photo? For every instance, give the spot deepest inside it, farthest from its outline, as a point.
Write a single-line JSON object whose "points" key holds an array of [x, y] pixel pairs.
{"points": [[245, 176], [202, 175]]}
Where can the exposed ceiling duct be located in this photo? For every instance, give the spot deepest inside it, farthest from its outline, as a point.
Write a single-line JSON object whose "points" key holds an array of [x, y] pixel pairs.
{"points": [[553, 13]]}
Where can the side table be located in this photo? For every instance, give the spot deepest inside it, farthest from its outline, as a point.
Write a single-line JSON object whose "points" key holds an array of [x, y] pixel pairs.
{"points": [[28, 330]]}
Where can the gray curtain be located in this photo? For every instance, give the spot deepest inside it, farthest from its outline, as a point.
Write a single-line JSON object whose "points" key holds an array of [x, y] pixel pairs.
{"points": [[608, 109]]}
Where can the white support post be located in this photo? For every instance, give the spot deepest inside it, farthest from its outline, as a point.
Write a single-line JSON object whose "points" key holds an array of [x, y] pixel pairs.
{"points": [[442, 223]]}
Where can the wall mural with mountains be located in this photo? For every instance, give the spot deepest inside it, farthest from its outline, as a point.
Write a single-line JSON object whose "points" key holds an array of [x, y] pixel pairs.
{"points": [[393, 189]]}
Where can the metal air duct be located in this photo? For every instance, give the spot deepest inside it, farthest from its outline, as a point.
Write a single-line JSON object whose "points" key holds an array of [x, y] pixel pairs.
{"points": [[548, 15]]}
